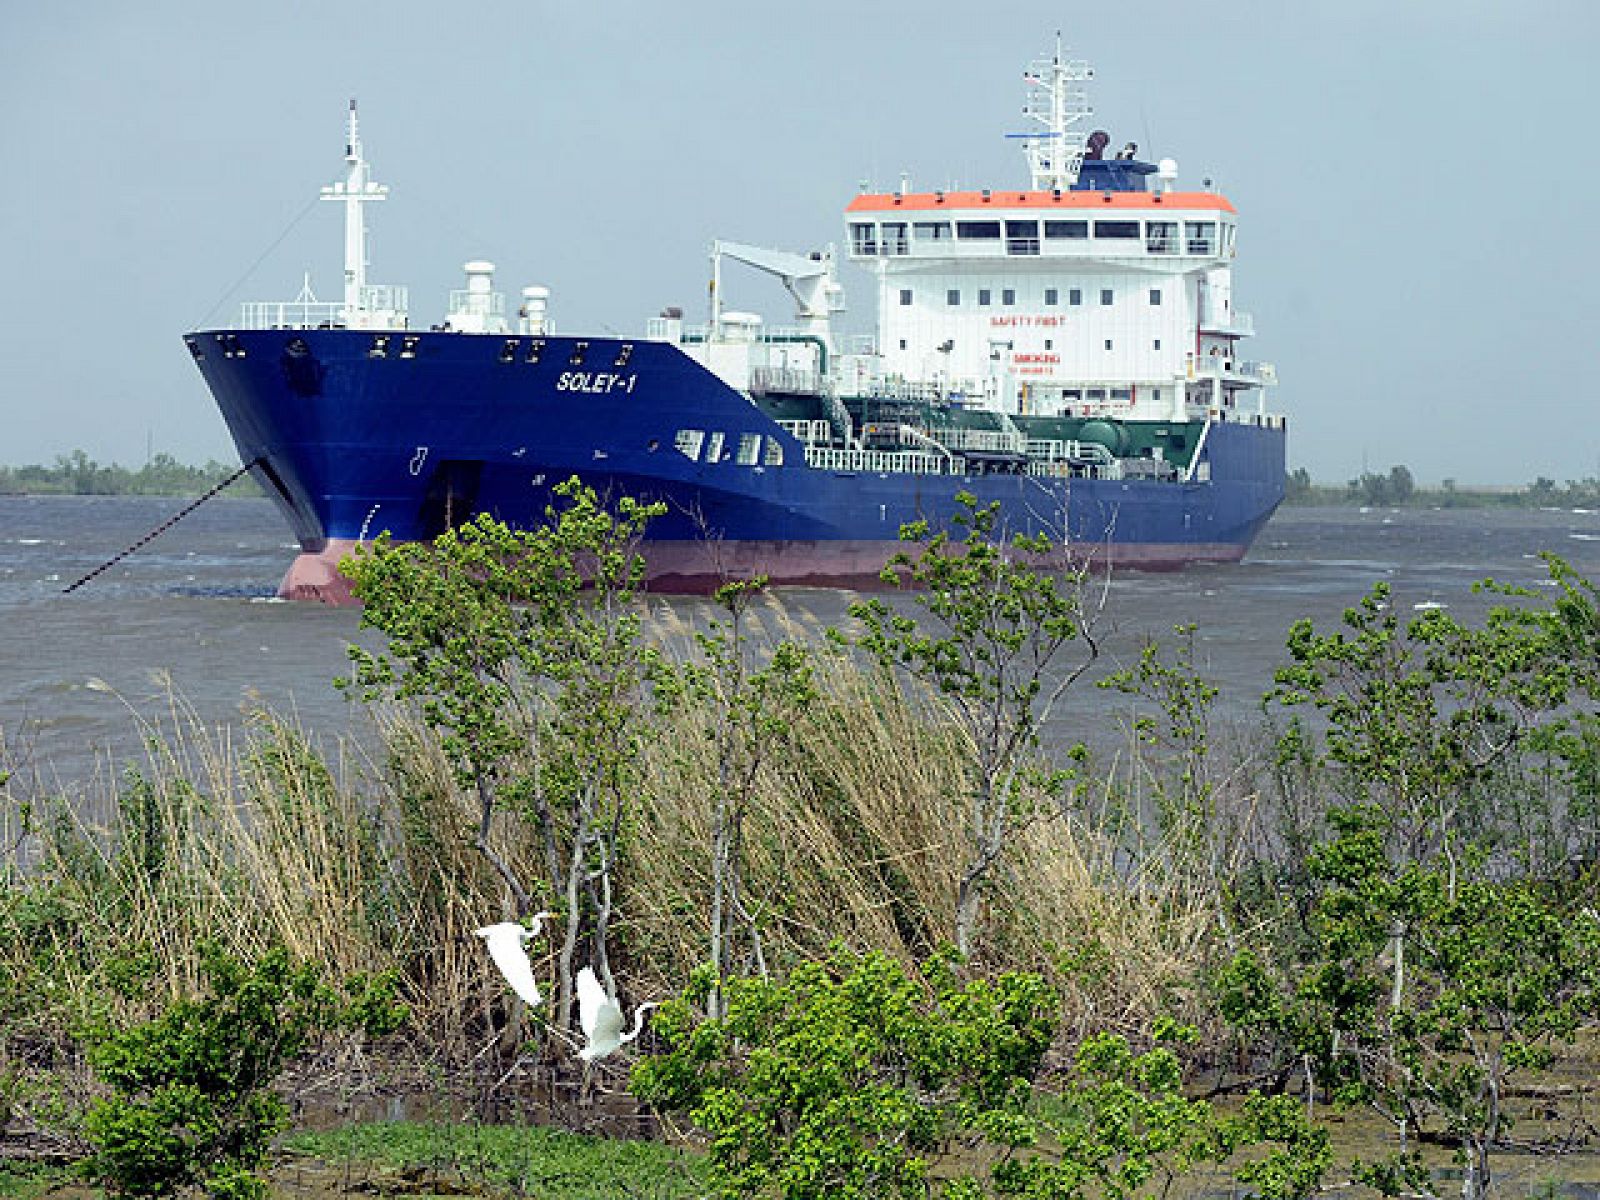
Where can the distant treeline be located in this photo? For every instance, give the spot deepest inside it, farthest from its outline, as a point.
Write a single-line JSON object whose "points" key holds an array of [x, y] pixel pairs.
{"points": [[1397, 487], [79, 475]]}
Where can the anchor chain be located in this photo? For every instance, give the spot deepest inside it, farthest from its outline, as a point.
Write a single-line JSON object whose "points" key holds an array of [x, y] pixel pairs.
{"points": [[161, 528]]}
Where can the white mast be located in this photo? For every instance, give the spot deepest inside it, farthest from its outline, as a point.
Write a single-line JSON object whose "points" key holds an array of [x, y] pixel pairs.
{"points": [[355, 190], [1058, 101]]}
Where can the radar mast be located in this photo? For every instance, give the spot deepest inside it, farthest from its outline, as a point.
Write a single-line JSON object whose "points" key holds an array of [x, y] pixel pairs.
{"points": [[1057, 100]]}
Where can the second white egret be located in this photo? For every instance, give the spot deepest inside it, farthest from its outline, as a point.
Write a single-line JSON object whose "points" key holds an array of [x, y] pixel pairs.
{"points": [[601, 1018]]}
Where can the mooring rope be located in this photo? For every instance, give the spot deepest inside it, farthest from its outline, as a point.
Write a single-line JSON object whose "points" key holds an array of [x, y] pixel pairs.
{"points": [[161, 528]]}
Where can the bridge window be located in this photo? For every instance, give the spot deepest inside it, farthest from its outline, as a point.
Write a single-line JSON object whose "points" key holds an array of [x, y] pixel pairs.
{"points": [[1161, 237], [714, 448], [1201, 236], [1066, 229], [894, 237], [863, 237], [978, 230], [1116, 229], [1022, 237], [772, 453], [749, 449], [932, 231], [688, 443]]}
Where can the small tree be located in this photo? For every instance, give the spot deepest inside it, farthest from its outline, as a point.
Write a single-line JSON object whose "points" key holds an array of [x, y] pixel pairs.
{"points": [[995, 620], [191, 1102], [754, 709], [524, 650]]}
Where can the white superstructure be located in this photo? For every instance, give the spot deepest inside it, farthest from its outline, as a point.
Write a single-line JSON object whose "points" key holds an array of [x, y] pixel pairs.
{"points": [[1090, 293]]}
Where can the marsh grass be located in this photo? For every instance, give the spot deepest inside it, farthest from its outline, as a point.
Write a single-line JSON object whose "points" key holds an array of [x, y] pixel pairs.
{"points": [[364, 863]]}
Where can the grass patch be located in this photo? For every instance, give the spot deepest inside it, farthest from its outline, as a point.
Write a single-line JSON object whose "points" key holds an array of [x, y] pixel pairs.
{"points": [[25, 1180], [523, 1160]]}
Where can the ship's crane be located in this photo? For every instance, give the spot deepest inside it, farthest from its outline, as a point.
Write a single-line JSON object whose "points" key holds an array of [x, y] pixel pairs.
{"points": [[808, 277]]}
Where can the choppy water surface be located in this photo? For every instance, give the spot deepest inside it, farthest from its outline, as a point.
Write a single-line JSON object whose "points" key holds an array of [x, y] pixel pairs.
{"points": [[192, 614]]}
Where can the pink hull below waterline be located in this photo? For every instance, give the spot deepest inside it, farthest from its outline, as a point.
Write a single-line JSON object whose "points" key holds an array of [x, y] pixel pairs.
{"points": [[698, 568]]}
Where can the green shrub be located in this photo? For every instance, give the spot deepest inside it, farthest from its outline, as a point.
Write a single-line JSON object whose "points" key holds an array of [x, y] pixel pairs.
{"points": [[190, 1101]]}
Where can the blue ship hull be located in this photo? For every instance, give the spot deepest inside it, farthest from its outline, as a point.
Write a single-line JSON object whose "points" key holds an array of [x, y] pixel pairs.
{"points": [[353, 436]]}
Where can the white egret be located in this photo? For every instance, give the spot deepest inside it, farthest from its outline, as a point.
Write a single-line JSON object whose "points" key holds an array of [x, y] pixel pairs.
{"points": [[601, 1018], [507, 944]]}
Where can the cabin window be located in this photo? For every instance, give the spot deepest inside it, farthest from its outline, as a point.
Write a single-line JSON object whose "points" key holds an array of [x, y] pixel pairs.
{"points": [[1075, 296], [1051, 297], [749, 449], [932, 231], [1066, 229], [1095, 395], [1008, 296], [983, 297], [1116, 229], [1121, 396], [1106, 296], [1161, 237], [772, 453], [1201, 236], [905, 295], [978, 230], [714, 447], [1108, 343], [953, 297], [863, 237], [688, 443], [1155, 397], [894, 237], [1155, 295], [1158, 344], [1022, 237]]}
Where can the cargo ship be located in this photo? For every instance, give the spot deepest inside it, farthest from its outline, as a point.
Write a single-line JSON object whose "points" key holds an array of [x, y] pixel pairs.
{"points": [[1069, 348]]}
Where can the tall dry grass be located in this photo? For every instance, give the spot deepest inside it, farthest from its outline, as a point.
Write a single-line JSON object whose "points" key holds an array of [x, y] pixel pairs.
{"points": [[855, 835]]}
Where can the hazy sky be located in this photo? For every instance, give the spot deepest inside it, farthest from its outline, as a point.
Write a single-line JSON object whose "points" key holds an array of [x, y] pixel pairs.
{"points": [[1416, 182]]}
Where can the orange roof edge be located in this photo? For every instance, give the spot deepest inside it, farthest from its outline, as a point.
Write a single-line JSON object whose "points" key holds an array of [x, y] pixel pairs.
{"points": [[933, 201]]}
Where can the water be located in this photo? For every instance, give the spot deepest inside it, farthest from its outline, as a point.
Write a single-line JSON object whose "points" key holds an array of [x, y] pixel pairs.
{"points": [[192, 614]]}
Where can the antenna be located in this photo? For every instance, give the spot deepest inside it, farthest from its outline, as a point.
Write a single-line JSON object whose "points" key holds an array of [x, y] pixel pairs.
{"points": [[1058, 101]]}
